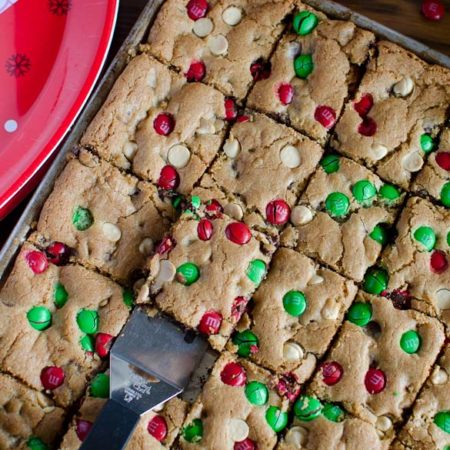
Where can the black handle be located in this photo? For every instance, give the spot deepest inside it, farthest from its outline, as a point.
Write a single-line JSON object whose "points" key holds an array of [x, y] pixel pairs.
{"points": [[112, 429]]}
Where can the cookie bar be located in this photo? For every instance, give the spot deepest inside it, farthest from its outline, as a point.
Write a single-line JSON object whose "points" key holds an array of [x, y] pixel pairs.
{"points": [[414, 269], [239, 407], [296, 303], [225, 43], [102, 218], [27, 418], [429, 426], [313, 70], [434, 178], [396, 115], [205, 271], [168, 131], [52, 320], [379, 361], [263, 168], [324, 426], [344, 215], [156, 430]]}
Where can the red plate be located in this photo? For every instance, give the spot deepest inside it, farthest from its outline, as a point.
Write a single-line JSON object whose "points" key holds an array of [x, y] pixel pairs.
{"points": [[51, 53]]}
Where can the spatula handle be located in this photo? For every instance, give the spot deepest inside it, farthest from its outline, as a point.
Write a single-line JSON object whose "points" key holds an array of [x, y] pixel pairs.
{"points": [[112, 429]]}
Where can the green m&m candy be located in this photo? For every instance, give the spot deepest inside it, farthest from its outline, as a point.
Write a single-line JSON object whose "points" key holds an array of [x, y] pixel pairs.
{"points": [[337, 204], [305, 22], [426, 236], [195, 201], [294, 303], [442, 420], [256, 393], [360, 313], [194, 431], [276, 418], [303, 66], [34, 443], [176, 201], [410, 341], [246, 341], [364, 191], [188, 273], [445, 194], [375, 281], [82, 218], [87, 320], [330, 163], [334, 413], [87, 343], [60, 295], [307, 408], [427, 143], [39, 317], [100, 386], [128, 297], [380, 233], [389, 193], [448, 238], [256, 271]]}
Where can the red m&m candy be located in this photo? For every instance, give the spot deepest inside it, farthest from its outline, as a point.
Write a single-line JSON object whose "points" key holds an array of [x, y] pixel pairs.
{"points": [[364, 105], [164, 124], [326, 116], [167, 244], [368, 127], [233, 374], [82, 428], [331, 372], [230, 109], [438, 261], [196, 71], [278, 212], [443, 160], [433, 9], [210, 323], [246, 444], [286, 93], [57, 253], [37, 261], [214, 209], [196, 9], [103, 342], [157, 427], [52, 377], [238, 232], [260, 70], [375, 381], [238, 308], [205, 229], [168, 178]]}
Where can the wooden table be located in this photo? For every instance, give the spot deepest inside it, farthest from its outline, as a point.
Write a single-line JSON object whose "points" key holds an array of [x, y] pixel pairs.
{"points": [[401, 15]]}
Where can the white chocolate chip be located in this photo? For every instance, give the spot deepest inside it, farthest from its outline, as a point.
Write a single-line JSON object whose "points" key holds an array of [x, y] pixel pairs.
{"points": [[232, 16], [146, 246], [439, 376], [404, 87], [178, 156], [129, 150], [300, 215], [202, 27], [238, 430], [443, 298], [315, 279], [218, 44], [383, 423], [232, 147], [296, 436], [412, 162], [112, 232], [166, 272], [206, 127], [143, 293], [103, 303], [233, 210], [330, 312], [48, 409], [379, 151], [292, 351], [290, 156], [293, 49], [218, 125]]}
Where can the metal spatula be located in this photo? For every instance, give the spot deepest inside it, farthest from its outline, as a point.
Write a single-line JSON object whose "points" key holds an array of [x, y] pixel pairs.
{"points": [[151, 361]]}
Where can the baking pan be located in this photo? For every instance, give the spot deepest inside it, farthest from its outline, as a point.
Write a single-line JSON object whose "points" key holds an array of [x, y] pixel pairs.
{"points": [[129, 48]]}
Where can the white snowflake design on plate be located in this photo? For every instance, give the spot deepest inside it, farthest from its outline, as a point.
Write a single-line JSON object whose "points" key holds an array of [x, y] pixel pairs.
{"points": [[5, 4]]}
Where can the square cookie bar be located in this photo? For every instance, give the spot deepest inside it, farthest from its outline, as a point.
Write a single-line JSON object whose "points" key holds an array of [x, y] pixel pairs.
{"points": [[263, 168], [102, 218], [324, 426], [239, 408], [312, 72], [396, 115], [379, 361], [156, 430], [28, 419], [294, 315], [166, 130], [53, 319], [221, 42], [343, 217], [415, 266], [428, 428], [434, 178], [205, 271]]}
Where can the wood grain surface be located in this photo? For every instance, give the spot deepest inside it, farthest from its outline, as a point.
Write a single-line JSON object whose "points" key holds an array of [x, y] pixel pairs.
{"points": [[401, 15]]}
